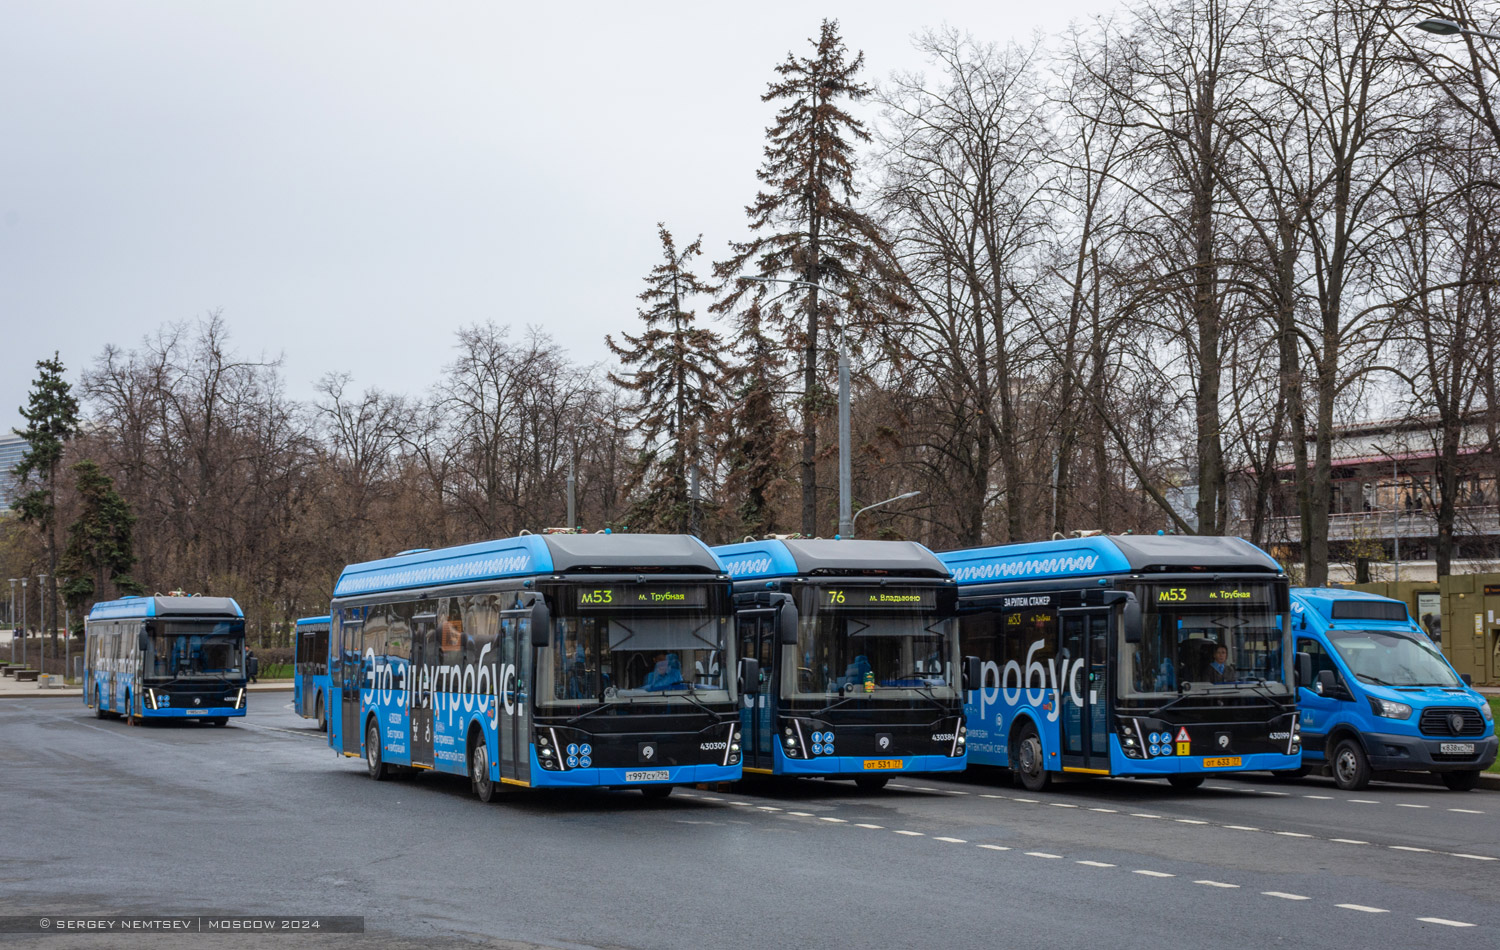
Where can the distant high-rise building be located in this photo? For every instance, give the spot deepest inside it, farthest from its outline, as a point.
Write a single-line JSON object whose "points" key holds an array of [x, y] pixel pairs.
{"points": [[12, 447]]}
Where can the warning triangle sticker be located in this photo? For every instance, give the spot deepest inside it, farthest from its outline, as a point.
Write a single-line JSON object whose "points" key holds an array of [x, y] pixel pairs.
{"points": [[1182, 735]]}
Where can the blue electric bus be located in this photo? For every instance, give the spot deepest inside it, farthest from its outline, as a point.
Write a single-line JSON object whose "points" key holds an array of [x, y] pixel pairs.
{"points": [[165, 658], [1142, 656], [857, 650], [310, 681], [560, 660]]}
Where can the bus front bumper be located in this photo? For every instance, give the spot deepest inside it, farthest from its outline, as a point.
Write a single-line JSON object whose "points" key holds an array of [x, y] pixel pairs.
{"points": [[1166, 765], [850, 765], [212, 712], [631, 778]]}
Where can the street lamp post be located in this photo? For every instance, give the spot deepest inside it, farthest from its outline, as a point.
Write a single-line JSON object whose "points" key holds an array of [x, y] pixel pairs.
{"points": [[901, 497], [1443, 27], [23, 621], [41, 648], [12, 619]]}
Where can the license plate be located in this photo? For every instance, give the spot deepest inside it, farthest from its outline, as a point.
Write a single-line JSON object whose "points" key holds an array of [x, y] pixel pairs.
{"points": [[1456, 748], [656, 775], [197, 712], [1225, 763], [882, 763]]}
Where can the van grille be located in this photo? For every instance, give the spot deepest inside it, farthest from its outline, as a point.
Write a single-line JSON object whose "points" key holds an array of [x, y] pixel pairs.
{"points": [[1436, 721]]}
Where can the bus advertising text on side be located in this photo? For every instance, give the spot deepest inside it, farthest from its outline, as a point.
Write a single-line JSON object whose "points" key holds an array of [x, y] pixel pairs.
{"points": [[857, 650], [166, 658], [1144, 656], [559, 660]]}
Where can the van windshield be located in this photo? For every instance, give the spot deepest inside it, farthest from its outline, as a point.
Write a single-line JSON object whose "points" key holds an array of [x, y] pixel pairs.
{"points": [[1390, 658]]}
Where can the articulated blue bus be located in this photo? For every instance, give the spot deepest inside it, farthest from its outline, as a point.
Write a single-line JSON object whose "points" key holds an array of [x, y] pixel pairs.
{"points": [[857, 650], [565, 660], [1144, 656], [165, 658], [310, 681]]}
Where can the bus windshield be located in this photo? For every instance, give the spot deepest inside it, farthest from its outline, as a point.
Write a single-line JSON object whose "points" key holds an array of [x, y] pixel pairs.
{"points": [[634, 644], [849, 641], [1388, 658], [192, 649], [1205, 636]]}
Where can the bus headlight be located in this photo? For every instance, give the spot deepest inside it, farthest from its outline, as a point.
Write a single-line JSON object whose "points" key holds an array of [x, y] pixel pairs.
{"points": [[151, 698], [1130, 743]]}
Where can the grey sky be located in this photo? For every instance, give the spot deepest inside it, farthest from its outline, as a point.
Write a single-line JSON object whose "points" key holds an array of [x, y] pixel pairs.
{"points": [[351, 182]]}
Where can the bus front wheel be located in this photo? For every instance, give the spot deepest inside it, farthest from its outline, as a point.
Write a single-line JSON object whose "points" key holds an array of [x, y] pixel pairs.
{"points": [[871, 783], [1185, 781], [1460, 781], [656, 792], [1351, 770], [1026, 760], [479, 772], [379, 771]]}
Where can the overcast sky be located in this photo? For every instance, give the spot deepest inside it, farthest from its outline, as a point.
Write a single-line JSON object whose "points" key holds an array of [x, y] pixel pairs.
{"points": [[352, 182]]}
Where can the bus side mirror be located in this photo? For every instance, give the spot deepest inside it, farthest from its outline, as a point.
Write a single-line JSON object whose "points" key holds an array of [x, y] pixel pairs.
{"points": [[973, 674], [1132, 621], [786, 624], [541, 624], [749, 675], [143, 640], [1327, 685], [1304, 669]]}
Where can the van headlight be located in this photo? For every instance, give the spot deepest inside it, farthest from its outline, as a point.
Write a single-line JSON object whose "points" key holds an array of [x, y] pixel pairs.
{"points": [[1486, 712], [1388, 709]]}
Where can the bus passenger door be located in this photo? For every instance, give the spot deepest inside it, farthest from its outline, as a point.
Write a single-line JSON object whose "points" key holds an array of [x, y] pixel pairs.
{"points": [[1081, 688], [351, 682], [424, 661], [757, 706], [512, 687]]}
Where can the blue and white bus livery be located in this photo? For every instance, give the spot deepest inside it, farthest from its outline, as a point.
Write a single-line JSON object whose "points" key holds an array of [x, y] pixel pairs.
{"points": [[857, 651], [310, 681], [166, 658], [1381, 696], [1142, 656], [543, 661]]}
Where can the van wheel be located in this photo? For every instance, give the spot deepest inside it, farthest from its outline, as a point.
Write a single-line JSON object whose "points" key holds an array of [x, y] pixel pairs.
{"points": [[1026, 760], [479, 772], [1460, 781], [379, 771], [871, 783], [1185, 782], [1351, 770]]}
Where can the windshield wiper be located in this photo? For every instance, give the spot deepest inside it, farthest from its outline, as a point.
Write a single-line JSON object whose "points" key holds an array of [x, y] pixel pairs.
{"points": [[843, 699], [687, 693], [1372, 679]]}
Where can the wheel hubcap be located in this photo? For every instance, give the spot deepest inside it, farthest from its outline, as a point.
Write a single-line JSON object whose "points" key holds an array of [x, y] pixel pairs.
{"points": [[1346, 766]]}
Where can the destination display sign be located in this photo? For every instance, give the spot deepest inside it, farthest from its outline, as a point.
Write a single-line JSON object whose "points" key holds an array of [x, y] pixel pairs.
{"points": [[1168, 595], [867, 598], [631, 596]]}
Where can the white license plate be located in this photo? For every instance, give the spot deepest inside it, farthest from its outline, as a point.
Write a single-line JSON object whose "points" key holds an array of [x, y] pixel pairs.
{"points": [[196, 712], [1456, 748], [657, 775]]}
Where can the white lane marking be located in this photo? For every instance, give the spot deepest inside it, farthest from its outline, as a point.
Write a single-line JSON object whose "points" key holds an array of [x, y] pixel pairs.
{"points": [[801, 814], [1190, 821], [922, 788], [1107, 811], [1462, 811], [1348, 841], [951, 840], [994, 847], [1444, 921], [1136, 814], [840, 821], [982, 795], [1406, 805], [1154, 873], [1362, 908], [769, 808], [1285, 896], [911, 834], [1472, 857], [895, 785], [710, 798], [742, 804], [1215, 884], [1042, 854], [954, 791], [1264, 792], [1061, 805], [1222, 788], [1291, 834], [1364, 801], [1095, 864], [1241, 828], [1321, 798], [1029, 801], [1406, 847], [860, 824]]}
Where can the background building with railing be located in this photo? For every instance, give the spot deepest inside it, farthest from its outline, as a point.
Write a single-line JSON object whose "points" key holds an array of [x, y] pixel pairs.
{"points": [[12, 447]]}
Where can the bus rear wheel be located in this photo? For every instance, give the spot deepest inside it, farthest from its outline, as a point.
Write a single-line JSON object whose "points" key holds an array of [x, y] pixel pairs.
{"points": [[1460, 781], [656, 792], [871, 783], [1351, 770], [1185, 781], [1026, 760], [479, 772], [98, 704], [322, 715], [379, 771]]}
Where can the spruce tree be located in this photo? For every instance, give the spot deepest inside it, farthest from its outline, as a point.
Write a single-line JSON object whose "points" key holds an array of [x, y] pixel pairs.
{"points": [[752, 428], [677, 366], [806, 224], [51, 415], [100, 550]]}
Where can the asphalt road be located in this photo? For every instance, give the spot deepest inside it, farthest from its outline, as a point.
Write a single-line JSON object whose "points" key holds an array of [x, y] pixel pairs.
{"points": [[261, 818]]}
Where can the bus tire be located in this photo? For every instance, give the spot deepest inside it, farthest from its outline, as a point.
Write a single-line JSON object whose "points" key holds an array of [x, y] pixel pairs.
{"points": [[479, 771], [98, 704], [656, 793], [1289, 775], [1185, 781], [1460, 781], [129, 713], [1027, 763], [217, 721], [871, 783], [374, 763], [322, 715], [1351, 770]]}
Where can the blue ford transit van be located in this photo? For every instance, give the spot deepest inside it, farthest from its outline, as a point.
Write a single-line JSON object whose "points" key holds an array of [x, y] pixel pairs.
{"points": [[1381, 697]]}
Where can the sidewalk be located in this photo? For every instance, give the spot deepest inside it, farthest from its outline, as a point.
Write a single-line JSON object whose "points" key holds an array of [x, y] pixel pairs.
{"points": [[10, 689]]}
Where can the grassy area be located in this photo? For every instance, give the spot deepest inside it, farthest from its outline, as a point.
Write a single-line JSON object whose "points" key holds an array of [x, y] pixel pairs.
{"points": [[276, 671]]}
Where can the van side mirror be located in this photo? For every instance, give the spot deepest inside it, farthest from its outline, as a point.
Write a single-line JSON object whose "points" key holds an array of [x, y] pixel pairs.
{"points": [[1304, 669], [1468, 680], [972, 673], [541, 623], [786, 624], [1327, 683], [749, 676]]}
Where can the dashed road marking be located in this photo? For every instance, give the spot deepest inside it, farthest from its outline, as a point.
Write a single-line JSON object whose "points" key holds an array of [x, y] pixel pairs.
{"points": [[801, 814], [1137, 814], [1363, 909], [839, 821], [951, 840], [1407, 847], [1029, 801], [984, 795], [861, 824], [1241, 828], [1215, 884], [1321, 798], [1461, 811], [911, 834], [1291, 834], [1095, 864], [1043, 854], [1190, 821], [1444, 921], [769, 808], [1154, 873], [994, 847], [1285, 896], [1407, 805], [1107, 811], [1062, 805], [1363, 801], [1471, 857], [1348, 841]]}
